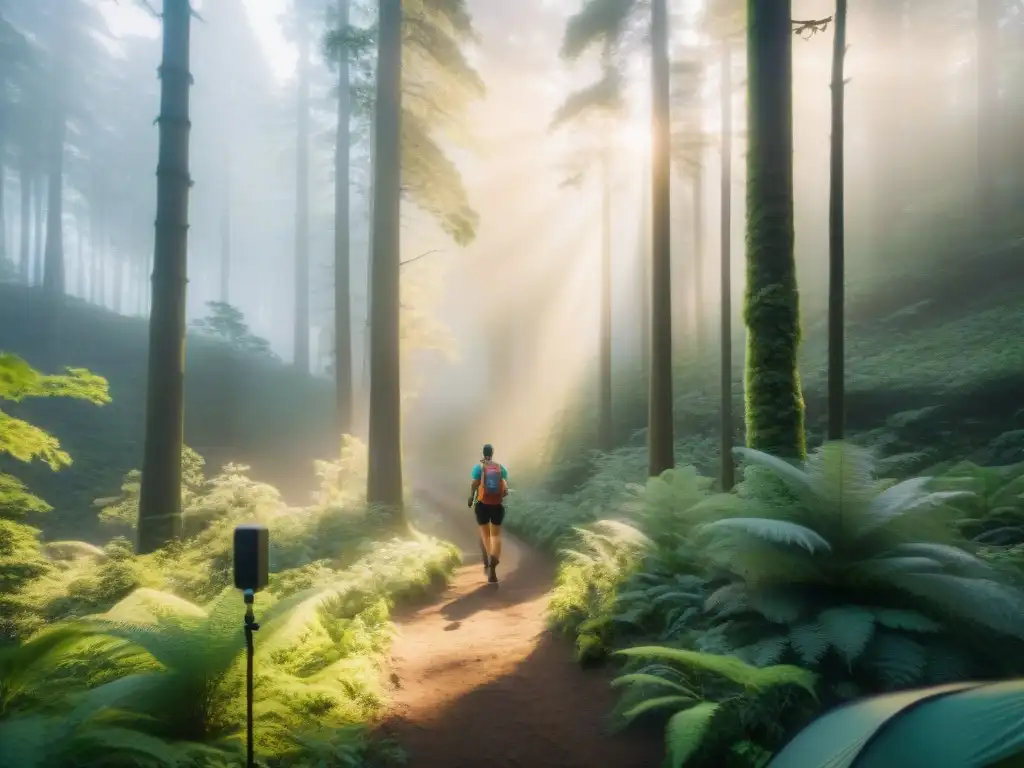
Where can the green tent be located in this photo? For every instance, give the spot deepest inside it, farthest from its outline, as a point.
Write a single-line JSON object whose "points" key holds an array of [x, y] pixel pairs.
{"points": [[961, 725]]}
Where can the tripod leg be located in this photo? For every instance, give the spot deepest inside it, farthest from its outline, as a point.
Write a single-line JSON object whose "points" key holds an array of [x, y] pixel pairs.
{"points": [[250, 757]]}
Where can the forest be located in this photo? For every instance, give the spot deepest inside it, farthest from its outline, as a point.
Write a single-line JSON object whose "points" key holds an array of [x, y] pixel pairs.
{"points": [[758, 388]]}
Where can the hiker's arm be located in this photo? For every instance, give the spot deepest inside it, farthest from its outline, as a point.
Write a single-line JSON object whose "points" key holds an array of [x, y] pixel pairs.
{"points": [[475, 484], [504, 476]]}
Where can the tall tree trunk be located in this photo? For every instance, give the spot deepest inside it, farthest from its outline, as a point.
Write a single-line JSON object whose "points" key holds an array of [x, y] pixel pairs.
{"points": [[644, 272], [38, 239], [301, 336], [342, 265], [836, 236], [141, 286], [25, 227], [160, 494], [697, 273], [225, 237], [605, 430], [117, 302], [775, 407], [96, 288], [988, 146], [887, 75], [80, 257], [53, 258], [727, 475], [659, 423], [3, 190], [384, 477]]}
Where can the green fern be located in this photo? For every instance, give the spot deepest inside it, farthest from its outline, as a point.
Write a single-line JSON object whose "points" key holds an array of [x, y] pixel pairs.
{"points": [[833, 557]]}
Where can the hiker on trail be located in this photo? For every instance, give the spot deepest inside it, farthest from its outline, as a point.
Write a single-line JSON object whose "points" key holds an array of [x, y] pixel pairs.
{"points": [[488, 491]]}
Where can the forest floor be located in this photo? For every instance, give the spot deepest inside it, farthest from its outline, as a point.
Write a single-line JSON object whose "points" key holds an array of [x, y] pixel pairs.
{"points": [[479, 680]]}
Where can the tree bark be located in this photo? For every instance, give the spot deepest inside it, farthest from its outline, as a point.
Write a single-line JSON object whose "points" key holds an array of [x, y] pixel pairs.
{"points": [[727, 474], [160, 494], [836, 236], [659, 426], [605, 429], [384, 480], [342, 265], [301, 337], [775, 408]]}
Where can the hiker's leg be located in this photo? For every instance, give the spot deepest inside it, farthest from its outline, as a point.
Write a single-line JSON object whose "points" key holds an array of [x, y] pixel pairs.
{"points": [[483, 520], [495, 549], [496, 520], [485, 537]]}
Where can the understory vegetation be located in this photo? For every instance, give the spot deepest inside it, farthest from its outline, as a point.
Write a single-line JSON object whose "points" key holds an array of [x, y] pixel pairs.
{"points": [[114, 659], [740, 616], [891, 560]]}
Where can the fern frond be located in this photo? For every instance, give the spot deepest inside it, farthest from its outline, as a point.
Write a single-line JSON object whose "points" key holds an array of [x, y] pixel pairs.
{"points": [[774, 531], [849, 629], [686, 731]]}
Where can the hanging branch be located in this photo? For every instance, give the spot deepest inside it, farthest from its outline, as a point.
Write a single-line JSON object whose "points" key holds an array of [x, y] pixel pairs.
{"points": [[417, 258], [808, 28]]}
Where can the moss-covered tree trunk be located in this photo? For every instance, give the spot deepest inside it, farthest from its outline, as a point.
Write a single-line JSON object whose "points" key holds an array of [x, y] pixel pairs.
{"points": [[160, 492], [774, 404], [837, 237], [659, 422], [384, 476], [301, 329], [726, 475], [342, 266], [605, 432]]}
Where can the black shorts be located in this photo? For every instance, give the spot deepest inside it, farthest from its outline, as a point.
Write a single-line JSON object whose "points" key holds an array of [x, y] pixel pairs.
{"points": [[489, 513]]}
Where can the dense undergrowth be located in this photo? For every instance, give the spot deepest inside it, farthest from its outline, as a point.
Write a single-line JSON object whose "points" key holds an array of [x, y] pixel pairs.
{"points": [[109, 658], [742, 615], [891, 561], [271, 406]]}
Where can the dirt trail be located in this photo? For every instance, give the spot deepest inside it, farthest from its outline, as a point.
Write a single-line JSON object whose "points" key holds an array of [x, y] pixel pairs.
{"points": [[479, 681]]}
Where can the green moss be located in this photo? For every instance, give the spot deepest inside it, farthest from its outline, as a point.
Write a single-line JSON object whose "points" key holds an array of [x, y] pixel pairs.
{"points": [[774, 403]]}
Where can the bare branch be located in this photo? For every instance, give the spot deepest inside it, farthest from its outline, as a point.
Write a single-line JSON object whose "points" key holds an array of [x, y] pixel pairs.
{"points": [[808, 28], [417, 258]]}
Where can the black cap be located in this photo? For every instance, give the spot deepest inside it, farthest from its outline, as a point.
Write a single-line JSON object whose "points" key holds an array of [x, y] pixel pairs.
{"points": [[488, 450]]}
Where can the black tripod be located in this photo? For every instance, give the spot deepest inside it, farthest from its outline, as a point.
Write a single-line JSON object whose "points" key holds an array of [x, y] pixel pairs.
{"points": [[250, 626]]}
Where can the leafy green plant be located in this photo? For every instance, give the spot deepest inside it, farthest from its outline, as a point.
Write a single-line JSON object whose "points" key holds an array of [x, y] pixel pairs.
{"points": [[993, 507], [123, 509], [589, 577], [21, 558], [719, 709], [856, 578]]}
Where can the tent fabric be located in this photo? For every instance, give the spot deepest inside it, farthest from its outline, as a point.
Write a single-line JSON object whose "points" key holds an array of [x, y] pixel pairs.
{"points": [[838, 738], [974, 728]]}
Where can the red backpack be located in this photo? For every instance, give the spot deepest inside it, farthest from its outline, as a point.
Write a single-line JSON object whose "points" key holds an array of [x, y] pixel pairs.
{"points": [[492, 484]]}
